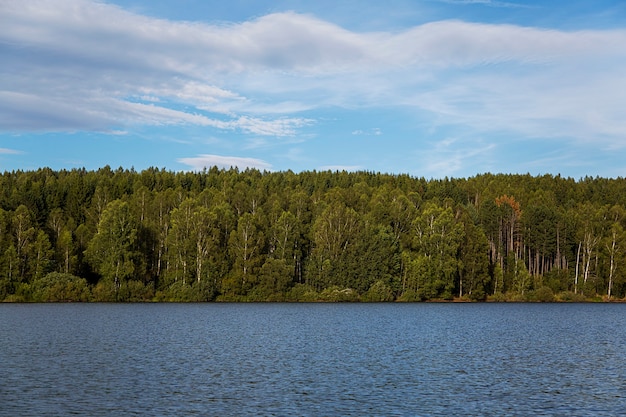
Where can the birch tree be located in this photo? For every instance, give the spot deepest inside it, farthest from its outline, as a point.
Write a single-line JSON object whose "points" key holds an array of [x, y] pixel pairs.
{"points": [[436, 241], [112, 249]]}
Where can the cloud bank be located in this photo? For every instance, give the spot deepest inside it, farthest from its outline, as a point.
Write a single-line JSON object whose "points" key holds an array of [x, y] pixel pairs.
{"points": [[79, 65]]}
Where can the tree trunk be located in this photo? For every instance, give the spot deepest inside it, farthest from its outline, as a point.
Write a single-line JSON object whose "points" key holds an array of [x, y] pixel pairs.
{"points": [[612, 265], [577, 268]]}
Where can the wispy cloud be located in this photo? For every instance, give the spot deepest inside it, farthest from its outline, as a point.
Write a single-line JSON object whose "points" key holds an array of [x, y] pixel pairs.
{"points": [[206, 161], [368, 132], [82, 65], [5, 151], [450, 156], [117, 132]]}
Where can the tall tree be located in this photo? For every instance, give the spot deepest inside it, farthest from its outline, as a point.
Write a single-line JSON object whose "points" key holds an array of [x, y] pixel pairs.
{"points": [[245, 246], [335, 229], [65, 247], [24, 232], [181, 248], [112, 249], [437, 236], [474, 261], [589, 219], [614, 243], [40, 256]]}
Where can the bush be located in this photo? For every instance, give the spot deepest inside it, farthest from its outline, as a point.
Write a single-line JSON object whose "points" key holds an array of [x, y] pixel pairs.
{"points": [[60, 287], [516, 297], [477, 295], [178, 292], [337, 294], [138, 292], [231, 298], [104, 292], [542, 295], [409, 296], [569, 296], [557, 280], [378, 292], [498, 297], [302, 293], [257, 294], [14, 298]]}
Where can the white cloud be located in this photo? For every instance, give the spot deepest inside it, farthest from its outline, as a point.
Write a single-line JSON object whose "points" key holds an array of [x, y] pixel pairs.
{"points": [[204, 96], [276, 127], [450, 156], [82, 65], [207, 161], [6, 151], [369, 132]]}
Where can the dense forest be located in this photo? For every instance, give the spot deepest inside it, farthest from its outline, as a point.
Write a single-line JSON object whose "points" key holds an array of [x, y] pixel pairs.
{"points": [[230, 235]]}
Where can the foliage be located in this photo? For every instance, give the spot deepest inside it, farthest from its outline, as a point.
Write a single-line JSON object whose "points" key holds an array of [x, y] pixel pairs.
{"points": [[112, 249], [378, 292], [230, 235], [542, 295], [338, 294], [302, 293], [57, 286]]}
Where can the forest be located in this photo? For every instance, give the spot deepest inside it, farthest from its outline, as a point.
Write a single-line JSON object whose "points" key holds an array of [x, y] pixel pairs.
{"points": [[231, 235]]}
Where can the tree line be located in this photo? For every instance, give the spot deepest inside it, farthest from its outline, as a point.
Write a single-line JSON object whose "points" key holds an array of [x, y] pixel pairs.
{"points": [[230, 235]]}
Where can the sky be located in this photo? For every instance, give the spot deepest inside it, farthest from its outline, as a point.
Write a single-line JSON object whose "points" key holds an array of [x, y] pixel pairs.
{"points": [[429, 88]]}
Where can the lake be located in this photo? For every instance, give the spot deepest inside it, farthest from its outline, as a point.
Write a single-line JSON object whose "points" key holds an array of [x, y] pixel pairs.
{"points": [[313, 359]]}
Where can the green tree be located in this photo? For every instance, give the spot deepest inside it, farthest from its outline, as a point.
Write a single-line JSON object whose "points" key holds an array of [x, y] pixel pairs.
{"points": [[10, 272], [589, 235], [193, 246], [379, 292], [112, 249], [279, 269], [282, 236], [161, 224], [374, 256], [393, 208], [23, 232], [181, 248], [274, 279], [474, 261], [521, 279], [55, 287], [65, 247], [334, 231], [614, 243], [436, 240], [40, 255], [245, 246]]}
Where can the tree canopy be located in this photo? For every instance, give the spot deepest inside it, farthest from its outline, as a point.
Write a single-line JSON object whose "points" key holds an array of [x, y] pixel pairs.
{"points": [[122, 235]]}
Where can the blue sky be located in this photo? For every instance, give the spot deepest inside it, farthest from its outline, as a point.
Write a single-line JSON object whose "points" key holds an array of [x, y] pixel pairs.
{"points": [[431, 88]]}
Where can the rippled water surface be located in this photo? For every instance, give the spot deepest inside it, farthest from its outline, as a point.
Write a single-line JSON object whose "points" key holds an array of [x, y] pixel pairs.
{"points": [[313, 359]]}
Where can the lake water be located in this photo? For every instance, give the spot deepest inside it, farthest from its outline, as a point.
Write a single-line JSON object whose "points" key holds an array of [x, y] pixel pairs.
{"points": [[313, 359]]}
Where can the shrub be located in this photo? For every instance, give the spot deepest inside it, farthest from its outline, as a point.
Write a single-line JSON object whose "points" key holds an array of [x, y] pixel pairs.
{"points": [[59, 287], [337, 294], [498, 297], [409, 296], [569, 296], [378, 292], [302, 293], [542, 295]]}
